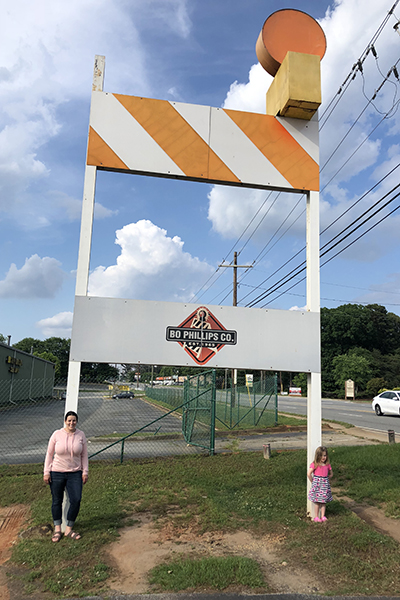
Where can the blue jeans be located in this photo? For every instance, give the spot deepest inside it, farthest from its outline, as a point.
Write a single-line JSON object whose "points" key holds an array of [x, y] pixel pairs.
{"points": [[72, 482]]}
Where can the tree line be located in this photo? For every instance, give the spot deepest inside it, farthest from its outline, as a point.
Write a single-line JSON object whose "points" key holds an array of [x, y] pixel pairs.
{"points": [[56, 350], [361, 343], [357, 342]]}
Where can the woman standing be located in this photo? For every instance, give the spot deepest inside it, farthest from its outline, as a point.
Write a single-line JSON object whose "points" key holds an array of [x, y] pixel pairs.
{"points": [[66, 467]]}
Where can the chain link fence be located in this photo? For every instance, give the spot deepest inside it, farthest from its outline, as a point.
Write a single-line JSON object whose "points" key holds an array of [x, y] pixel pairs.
{"points": [[130, 421], [236, 407]]}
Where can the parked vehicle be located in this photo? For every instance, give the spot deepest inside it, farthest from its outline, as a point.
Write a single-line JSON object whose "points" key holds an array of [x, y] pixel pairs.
{"points": [[124, 395], [387, 402]]}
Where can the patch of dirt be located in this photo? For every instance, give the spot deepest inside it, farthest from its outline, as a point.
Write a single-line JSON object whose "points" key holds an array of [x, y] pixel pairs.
{"points": [[375, 517], [11, 520], [143, 546]]}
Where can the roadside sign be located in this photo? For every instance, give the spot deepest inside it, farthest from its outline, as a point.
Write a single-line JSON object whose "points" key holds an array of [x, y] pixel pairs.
{"points": [[249, 380]]}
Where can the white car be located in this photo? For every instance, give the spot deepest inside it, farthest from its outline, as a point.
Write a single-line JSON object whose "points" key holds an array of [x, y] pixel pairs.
{"points": [[387, 403]]}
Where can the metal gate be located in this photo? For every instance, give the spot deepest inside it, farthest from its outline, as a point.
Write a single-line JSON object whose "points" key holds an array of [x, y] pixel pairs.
{"points": [[198, 417]]}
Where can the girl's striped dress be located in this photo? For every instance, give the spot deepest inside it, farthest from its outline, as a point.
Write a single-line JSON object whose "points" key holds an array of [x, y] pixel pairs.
{"points": [[320, 491]]}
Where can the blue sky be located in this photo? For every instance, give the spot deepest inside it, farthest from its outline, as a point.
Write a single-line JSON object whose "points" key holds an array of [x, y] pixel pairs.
{"points": [[161, 239]]}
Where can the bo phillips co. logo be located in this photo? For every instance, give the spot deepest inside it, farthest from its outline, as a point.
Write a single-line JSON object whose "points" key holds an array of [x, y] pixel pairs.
{"points": [[201, 335]]}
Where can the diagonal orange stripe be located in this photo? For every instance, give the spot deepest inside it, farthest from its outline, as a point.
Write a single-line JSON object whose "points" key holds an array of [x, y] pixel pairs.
{"points": [[177, 138], [279, 147], [100, 154]]}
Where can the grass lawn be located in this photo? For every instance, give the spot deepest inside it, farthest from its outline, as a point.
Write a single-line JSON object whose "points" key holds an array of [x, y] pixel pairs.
{"points": [[221, 493]]}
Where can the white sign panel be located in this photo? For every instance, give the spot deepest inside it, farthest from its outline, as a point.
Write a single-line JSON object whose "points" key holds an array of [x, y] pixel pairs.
{"points": [[113, 330], [249, 380]]}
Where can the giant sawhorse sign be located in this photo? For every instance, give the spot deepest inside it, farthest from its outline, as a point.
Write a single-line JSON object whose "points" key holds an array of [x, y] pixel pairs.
{"points": [[278, 150]]}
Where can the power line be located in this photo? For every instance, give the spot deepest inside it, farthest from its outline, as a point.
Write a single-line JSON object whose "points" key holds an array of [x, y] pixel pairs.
{"points": [[351, 76], [234, 245], [385, 116], [301, 267], [352, 287], [337, 254], [324, 230], [360, 217], [361, 198]]}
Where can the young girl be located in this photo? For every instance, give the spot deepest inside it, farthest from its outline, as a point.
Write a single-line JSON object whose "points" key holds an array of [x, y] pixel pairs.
{"points": [[319, 474]]}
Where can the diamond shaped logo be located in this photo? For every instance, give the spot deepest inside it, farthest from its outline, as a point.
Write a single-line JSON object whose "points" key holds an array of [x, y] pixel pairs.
{"points": [[201, 335]]}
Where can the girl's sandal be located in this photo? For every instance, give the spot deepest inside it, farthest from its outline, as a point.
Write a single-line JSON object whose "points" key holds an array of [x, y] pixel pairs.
{"points": [[56, 537], [73, 535]]}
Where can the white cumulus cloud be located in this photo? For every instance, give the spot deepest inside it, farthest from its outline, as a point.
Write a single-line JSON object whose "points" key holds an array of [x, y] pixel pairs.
{"points": [[37, 278], [151, 266], [46, 61], [59, 325]]}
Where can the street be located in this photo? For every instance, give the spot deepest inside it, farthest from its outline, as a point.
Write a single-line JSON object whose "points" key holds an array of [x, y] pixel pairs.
{"points": [[345, 411]]}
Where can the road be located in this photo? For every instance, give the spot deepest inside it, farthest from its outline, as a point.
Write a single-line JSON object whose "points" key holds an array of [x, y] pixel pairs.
{"points": [[355, 413]]}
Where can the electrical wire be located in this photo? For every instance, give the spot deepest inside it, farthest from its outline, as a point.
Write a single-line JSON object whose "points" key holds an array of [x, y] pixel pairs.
{"points": [[328, 227], [337, 254], [385, 116], [359, 65], [301, 267], [351, 76], [196, 295]]}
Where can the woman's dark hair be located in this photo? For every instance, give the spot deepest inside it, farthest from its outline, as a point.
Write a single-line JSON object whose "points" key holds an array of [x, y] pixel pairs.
{"points": [[71, 413]]}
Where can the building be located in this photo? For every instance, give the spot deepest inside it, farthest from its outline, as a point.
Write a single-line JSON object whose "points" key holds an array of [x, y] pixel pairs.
{"points": [[23, 376]]}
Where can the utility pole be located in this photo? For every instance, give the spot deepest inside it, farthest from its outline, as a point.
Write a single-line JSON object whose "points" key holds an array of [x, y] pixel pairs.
{"points": [[235, 267]]}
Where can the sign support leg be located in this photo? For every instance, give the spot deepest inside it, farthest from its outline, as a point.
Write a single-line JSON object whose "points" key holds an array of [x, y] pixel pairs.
{"points": [[85, 244], [314, 409], [82, 275]]}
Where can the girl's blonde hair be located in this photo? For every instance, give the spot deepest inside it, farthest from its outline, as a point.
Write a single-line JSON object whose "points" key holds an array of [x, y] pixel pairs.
{"points": [[318, 455]]}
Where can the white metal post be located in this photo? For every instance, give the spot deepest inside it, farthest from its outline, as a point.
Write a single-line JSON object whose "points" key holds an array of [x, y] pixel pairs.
{"points": [[314, 410], [82, 273], [85, 243]]}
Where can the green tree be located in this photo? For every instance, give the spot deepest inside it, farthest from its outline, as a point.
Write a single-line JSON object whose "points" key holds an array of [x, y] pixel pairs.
{"points": [[375, 385], [30, 344], [370, 329], [59, 347], [300, 380], [351, 366], [98, 372]]}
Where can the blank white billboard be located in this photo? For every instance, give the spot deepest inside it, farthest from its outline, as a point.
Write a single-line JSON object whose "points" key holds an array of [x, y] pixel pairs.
{"points": [[114, 330]]}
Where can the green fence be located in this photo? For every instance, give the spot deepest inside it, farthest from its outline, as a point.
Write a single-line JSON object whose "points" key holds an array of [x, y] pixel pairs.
{"points": [[198, 418], [236, 407], [245, 407], [161, 421], [171, 396]]}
